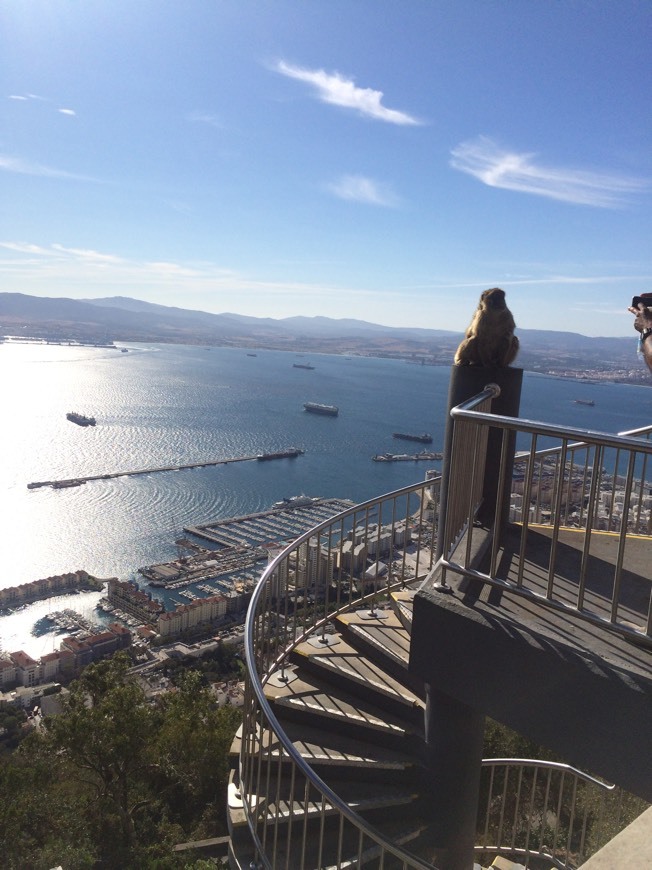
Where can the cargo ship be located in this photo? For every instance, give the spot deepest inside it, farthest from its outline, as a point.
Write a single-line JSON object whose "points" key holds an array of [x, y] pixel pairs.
{"points": [[317, 408], [291, 453], [424, 438], [302, 366], [80, 419]]}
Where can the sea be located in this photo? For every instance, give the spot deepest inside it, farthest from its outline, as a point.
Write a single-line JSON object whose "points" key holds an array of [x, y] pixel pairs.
{"points": [[160, 405]]}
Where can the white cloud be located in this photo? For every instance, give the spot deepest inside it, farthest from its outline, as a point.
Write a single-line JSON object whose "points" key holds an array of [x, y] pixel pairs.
{"points": [[206, 118], [510, 170], [67, 111], [339, 91], [358, 188], [26, 167]]}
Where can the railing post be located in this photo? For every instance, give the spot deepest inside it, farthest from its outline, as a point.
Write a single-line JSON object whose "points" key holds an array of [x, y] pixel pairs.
{"points": [[466, 382], [454, 740]]}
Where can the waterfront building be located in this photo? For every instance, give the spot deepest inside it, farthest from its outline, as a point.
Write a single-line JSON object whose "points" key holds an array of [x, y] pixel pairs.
{"points": [[47, 587], [128, 597], [27, 668], [7, 672], [314, 568], [189, 617]]}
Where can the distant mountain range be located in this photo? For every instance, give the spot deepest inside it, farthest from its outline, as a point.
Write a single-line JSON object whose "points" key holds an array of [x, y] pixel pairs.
{"points": [[120, 318]]}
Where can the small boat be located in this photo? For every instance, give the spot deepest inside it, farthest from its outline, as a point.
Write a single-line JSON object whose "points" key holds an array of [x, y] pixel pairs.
{"points": [[80, 419], [588, 402], [318, 408], [302, 366], [424, 438]]}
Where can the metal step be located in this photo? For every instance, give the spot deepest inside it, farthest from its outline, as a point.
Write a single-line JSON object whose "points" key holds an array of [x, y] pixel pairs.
{"points": [[339, 663]]}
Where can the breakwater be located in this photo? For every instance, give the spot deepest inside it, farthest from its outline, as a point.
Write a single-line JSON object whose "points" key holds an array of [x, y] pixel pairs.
{"points": [[290, 453]]}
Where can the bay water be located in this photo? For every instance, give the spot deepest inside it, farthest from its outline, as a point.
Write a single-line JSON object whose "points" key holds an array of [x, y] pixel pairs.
{"points": [[160, 405]]}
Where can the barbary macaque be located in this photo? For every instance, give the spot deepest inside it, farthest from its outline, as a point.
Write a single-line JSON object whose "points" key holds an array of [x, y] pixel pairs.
{"points": [[489, 340]]}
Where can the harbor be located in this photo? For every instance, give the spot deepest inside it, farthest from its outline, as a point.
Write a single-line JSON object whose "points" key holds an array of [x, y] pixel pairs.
{"points": [[290, 453], [238, 547]]}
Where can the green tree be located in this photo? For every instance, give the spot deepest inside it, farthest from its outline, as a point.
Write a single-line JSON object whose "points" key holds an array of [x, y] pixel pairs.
{"points": [[192, 750], [105, 735]]}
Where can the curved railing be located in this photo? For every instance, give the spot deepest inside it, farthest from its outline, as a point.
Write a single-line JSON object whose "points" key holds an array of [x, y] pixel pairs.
{"points": [[352, 561], [318, 576]]}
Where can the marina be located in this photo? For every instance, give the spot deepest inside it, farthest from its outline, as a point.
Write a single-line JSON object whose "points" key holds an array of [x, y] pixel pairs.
{"points": [[290, 453], [241, 545]]}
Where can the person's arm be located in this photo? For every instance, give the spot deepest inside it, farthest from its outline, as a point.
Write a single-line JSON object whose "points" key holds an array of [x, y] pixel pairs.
{"points": [[643, 325]]}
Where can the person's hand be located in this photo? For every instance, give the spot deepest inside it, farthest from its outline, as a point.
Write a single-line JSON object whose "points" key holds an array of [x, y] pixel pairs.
{"points": [[643, 319]]}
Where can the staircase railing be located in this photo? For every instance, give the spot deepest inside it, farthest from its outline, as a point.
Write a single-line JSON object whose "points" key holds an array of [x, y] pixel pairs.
{"points": [[562, 479], [352, 561], [543, 809]]}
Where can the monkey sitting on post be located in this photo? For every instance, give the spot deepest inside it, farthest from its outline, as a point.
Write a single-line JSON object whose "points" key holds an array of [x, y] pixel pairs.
{"points": [[489, 340]]}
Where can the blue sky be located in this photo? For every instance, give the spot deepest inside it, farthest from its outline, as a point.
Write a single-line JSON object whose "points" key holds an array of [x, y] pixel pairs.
{"points": [[378, 160]]}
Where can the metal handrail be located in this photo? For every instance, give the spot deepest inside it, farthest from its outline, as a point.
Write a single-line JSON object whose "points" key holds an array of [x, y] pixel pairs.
{"points": [[563, 491], [259, 713], [540, 823]]}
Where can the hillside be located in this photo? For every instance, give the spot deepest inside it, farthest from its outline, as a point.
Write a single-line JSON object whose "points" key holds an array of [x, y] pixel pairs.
{"points": [[123, 319]]}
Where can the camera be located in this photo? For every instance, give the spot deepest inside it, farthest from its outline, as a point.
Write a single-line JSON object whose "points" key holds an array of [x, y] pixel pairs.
{"points": [[643, 299]]}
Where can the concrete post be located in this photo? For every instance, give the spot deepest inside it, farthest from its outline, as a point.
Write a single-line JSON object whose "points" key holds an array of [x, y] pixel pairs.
{"points": [[466, 382], [454, 743]]}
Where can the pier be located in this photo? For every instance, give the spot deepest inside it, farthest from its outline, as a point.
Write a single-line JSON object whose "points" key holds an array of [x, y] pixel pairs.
{"points": [[290, 453]]}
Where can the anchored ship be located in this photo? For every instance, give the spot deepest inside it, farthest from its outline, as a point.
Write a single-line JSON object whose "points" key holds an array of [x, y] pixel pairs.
{"points": [[424, 438], [80, 419], [588, 402], [291, 453], [317, 408], [302, 366]]}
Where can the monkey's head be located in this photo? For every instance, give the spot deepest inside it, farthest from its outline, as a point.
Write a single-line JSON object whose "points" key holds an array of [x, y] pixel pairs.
{"points": [[493, 300]]}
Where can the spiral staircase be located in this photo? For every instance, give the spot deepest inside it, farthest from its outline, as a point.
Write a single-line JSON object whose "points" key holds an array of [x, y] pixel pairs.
{"points": [[333, 765]]}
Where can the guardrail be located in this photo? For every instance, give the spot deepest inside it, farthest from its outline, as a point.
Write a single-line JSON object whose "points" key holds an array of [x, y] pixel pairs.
{"points": [[353, 560], [544, 809], [560, 479]]}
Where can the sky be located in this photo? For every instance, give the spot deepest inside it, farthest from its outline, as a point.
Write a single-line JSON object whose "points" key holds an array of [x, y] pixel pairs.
{"points": [[384, 161]]}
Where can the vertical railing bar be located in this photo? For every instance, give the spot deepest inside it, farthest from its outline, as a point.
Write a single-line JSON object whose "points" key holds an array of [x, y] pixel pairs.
{"points": [[306, 818], [340, 842], [584, 829], [571, 821], [558, 813], [555, 529], [517, 804], [590, 513], [290, 823], [528, 833], [489, 797], [622, 540], [614, 486], [378, 545], [320, 842], [640, 487], [527, 487], [277, 802], [503, 803], [546, 801], [500, 497]]}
